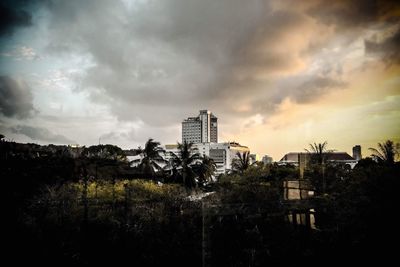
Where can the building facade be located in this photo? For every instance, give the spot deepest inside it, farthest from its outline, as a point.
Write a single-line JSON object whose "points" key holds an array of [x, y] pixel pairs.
{"points": [[200, 129], [221, 153]]}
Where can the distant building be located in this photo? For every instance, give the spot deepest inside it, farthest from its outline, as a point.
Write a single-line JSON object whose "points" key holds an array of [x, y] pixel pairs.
{"points": [[357, 152], [221, 153], [200, 129], [267, 159], [301, 159]]}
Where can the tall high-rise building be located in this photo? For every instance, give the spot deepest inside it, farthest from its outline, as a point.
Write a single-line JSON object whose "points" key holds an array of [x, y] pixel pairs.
{"points": [[200, 129], [357, 152]]}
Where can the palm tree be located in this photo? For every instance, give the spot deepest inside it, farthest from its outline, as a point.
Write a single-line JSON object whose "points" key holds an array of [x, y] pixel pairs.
{"points": [[185, 160], [151, 158], [318, 152], [318, 156], [241, 162], [386, 152], [205, 170]]}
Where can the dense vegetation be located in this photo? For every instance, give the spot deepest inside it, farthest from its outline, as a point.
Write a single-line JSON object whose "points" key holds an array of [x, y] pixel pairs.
{"points": [[92, 208]]}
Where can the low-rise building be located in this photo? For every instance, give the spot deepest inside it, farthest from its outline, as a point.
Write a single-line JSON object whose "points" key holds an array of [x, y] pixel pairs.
{"points": [[302, 158], [221, 153]]}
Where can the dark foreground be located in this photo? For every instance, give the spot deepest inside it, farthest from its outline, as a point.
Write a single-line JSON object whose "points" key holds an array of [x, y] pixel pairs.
{"points": [[55, 217]]}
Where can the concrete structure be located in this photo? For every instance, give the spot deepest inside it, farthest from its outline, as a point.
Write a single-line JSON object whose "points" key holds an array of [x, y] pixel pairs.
{"points": [[221, 153], [200, 129], [357, 152], [297, 190]]}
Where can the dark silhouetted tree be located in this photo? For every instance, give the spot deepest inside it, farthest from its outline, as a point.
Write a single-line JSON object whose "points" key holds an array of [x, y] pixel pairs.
{"points": [[241, 162], [152, 158], [318, 154], [386, 152], [184, 162], [205, 170]]}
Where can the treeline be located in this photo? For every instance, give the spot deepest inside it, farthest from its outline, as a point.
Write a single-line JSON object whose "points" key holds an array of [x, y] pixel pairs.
{"points": [[96, 209]]}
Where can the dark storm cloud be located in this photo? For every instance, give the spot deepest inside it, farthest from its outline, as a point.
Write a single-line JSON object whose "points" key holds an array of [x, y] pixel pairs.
{"points": [[356, 13], [170, 54], [158, 61], [41, 134], [166, 55], [12, 16], [15, 98], [388, 49]]}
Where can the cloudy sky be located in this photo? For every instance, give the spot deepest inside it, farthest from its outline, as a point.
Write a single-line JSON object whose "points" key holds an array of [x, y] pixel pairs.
{"points": [[277, 74]]}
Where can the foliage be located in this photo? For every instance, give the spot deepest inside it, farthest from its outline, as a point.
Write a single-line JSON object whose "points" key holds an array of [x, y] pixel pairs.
{"points": [[318, 152], [60, 211], [253, 185], [241, 162], [317, 166], [360, 208], [386, 152], [279, 173], [204, 170], [104, 152], [128, 221], [152, 159], [183, 163]]}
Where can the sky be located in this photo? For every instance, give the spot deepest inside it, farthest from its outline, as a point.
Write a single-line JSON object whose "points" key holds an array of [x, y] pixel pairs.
{"points": [[279, 75]]}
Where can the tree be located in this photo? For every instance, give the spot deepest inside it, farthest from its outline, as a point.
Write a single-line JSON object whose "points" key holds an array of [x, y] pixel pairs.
{"points": [[104, 152], [318, 153], [386, 152], [242, 162], [152, 158], [205, 169], [184, 161]]}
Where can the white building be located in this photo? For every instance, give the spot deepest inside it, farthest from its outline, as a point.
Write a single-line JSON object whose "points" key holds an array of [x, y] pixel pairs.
{"points": [[302, 158], [221, 153], [200, 129]]}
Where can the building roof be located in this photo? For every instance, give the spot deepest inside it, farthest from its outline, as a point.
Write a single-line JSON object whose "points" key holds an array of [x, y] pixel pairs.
{"points": [[337, 156], [330, 156]]}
